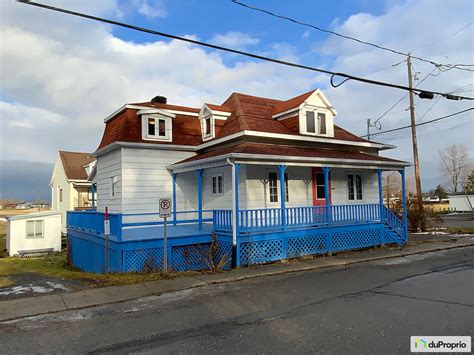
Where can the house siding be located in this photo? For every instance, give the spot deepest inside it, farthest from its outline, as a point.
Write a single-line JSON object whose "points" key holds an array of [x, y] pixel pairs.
{"points": [[60, 181], [108, 166], [146, 179], [300, 187]]}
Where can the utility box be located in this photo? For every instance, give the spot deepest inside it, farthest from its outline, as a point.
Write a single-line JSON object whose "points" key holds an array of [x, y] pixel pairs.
{"points": [[34, 234]]}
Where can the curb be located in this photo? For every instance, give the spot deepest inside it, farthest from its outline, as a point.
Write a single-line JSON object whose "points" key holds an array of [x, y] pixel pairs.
{"points": [[35, 306]]}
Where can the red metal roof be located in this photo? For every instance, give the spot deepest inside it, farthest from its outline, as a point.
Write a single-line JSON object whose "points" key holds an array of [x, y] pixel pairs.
{"points": [[282, 150]]}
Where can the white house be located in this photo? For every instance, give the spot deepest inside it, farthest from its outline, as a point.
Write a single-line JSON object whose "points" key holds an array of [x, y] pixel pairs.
{"points": [[144, 145], [461, 202], [272, 179], [34, 234], [70, 188]]}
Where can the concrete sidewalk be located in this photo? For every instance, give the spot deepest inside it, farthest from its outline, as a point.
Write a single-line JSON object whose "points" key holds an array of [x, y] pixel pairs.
{"points": [[32, 306]]}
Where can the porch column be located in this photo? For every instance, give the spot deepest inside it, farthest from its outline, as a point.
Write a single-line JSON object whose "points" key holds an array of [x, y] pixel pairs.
{"points": [[326, 171], [379, 176], [93, 195], [282, 169], [235, 213], [174, 175], [404, 202], [199, 174]]}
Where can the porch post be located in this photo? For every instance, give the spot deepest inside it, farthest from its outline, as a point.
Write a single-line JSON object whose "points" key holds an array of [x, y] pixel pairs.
{"points": [[282, 169], [93, 194], [379, 176], [326, 171], [199, 174], [404, 202], [235, 214], [174, 175]]}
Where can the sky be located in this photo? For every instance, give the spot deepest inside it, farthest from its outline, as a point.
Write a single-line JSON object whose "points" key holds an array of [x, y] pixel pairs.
{"points": [[62, 75]]}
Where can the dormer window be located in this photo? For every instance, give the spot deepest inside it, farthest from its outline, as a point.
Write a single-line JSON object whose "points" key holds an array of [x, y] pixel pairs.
{"points": [[156, 127], [316, 123], [207, 123]]}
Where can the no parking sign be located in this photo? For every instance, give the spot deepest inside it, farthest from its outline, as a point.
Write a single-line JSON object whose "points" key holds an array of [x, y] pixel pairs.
{"points": [[165, 207]]}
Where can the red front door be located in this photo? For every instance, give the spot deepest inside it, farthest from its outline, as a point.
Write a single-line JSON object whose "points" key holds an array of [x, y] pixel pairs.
{"points": [[319, 197]]}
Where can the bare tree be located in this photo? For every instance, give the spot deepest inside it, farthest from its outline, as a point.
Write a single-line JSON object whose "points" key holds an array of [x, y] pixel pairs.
{"points": [[455, 163]]}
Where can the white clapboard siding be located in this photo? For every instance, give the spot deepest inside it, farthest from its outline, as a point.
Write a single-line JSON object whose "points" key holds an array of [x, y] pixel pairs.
{"points": [[299, 183], [108, 166], [60, 181], [370, 192], [146, 179]]}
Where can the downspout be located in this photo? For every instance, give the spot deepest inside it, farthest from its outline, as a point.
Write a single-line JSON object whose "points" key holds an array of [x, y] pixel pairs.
{"points": [[234, 215]]}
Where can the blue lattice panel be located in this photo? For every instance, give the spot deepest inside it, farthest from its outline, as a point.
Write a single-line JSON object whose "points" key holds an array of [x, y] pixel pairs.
{"points": [[143, 260], [308, 245], [194, 257], [261, 252], [355, 239]]}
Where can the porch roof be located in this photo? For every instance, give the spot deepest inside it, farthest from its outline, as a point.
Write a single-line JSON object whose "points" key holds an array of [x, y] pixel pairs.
{"points": [[248, 152]]}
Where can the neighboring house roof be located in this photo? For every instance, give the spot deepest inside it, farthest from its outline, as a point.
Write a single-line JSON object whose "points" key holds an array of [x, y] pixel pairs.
{"points": [[259, 149], [292, 103], [73, 164]]}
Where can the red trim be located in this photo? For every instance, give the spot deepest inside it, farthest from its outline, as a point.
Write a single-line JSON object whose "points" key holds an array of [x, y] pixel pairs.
{"points": [[321, 201]]}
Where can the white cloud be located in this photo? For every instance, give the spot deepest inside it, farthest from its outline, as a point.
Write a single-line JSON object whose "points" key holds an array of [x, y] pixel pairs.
{"points": [[150, 8], [305, 35], [234, 39]]}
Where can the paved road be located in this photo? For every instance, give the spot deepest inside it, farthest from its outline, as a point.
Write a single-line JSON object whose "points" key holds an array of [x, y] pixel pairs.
{"points": [[367, 308]]}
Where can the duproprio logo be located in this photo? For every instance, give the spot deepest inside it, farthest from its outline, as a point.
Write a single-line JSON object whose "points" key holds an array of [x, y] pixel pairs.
{"points": [[436, 344]]}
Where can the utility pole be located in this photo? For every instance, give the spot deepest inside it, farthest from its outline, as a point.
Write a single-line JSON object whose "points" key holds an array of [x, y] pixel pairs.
{"points": [[415, 147]]}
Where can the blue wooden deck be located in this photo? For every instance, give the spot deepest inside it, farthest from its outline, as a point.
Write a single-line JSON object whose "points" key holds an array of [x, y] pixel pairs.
{"points": [[156, 232]]}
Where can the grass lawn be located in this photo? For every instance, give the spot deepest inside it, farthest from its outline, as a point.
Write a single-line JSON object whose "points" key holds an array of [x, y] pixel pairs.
{"points": [[56, 266]]}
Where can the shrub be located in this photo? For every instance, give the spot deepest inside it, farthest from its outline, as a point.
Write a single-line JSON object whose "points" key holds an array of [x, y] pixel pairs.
{"points": [[416, 218]]}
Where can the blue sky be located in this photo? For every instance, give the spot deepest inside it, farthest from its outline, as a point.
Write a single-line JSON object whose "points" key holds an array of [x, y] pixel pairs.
{"points": [[61, 75]]}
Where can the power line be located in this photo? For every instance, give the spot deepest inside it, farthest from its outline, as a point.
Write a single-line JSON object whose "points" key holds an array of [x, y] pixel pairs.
{"points": [[422, 123], [443, 67], [445, 38], [251, 55]]}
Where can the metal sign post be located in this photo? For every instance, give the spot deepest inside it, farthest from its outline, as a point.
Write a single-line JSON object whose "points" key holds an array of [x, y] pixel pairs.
{"points": [[165, 212], [107, 234]]}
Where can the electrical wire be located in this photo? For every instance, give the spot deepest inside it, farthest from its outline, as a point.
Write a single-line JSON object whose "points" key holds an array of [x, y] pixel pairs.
{"points": [[443, 67], [420, 124], [230, 50]]}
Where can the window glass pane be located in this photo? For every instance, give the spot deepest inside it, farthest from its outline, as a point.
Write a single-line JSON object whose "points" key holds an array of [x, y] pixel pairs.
{"points": [[287, 189], [38, 229], [320, 179], [214, 185], [151, 126], [358, 180], [162, 128], [320, 192], [30, 229], [208, 126], [273, 187], [350, 186], [310, 126], [60, 195], [219, 184], [322, 123]]}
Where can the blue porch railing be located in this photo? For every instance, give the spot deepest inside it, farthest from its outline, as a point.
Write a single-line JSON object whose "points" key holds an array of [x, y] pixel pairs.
{"points": [[392, 222], [93, 221], [153, 219]]}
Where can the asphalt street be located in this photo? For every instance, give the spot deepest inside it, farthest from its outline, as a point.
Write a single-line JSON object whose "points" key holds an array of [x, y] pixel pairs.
{"points": [[372, 307]]}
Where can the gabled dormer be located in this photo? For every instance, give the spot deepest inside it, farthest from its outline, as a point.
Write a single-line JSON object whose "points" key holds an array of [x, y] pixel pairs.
{"points": [[212, 118], [309, 114], [157, 125]]}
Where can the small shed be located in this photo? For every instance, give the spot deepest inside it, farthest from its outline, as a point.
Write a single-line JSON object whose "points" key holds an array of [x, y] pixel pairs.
{"points": [[461, 202], [34, 234]]}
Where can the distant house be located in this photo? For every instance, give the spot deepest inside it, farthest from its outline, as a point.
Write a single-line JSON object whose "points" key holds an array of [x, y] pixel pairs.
{"points": [[70, 189], [461, 202]]}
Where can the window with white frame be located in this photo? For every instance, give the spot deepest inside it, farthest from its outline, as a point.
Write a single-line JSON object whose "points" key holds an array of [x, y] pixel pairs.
{"points": [[113, 186], [156, 127], [273, 187], [34, 229], [316, 122], [354, 187], [217, 184]]}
